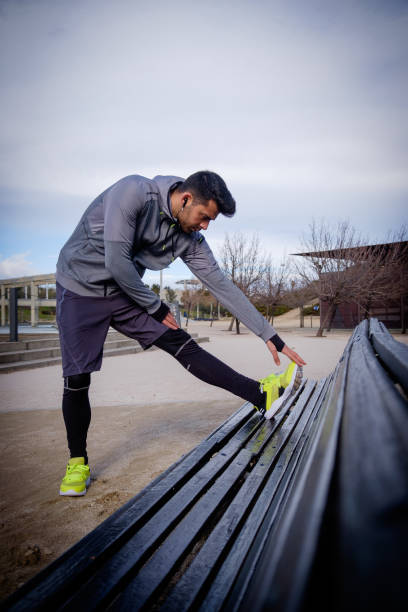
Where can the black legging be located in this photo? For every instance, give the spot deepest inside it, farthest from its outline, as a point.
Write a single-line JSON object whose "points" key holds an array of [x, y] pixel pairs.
{"points": [[77, 411], [208, 368]]}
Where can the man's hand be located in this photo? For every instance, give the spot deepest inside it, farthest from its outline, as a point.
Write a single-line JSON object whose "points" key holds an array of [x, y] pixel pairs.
{"points": [[286, 351], [170, 321]]}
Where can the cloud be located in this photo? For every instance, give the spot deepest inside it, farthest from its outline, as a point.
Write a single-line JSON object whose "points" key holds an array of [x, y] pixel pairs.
{"points": [[17, 265], [308, 91], [299, 106], [176, 272]]}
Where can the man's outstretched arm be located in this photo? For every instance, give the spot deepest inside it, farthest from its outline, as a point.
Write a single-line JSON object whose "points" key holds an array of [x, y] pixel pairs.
{"points": [[202, 263]]}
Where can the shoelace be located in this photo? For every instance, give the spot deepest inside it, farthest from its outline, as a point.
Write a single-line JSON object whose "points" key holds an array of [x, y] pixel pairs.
{"points": [[79, 466], [268, 379]]}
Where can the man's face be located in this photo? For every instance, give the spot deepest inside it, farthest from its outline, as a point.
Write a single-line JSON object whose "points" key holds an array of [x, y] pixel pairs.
{"points": [[195, 217]]}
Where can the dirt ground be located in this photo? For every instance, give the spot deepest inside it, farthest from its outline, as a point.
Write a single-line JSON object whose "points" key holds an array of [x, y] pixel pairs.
{"points": [[129, 448]]}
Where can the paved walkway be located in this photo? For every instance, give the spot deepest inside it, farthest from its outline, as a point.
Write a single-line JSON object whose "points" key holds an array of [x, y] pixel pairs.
{"points": [[153, 377]]}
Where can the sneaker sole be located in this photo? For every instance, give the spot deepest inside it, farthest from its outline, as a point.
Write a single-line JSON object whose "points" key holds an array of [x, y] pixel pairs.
{"points": [[290, 390], [72, 493]]}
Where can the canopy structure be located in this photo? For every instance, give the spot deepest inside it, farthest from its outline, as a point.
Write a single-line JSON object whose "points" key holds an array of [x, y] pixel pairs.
{"points": [[382, 250], [392, 312]]}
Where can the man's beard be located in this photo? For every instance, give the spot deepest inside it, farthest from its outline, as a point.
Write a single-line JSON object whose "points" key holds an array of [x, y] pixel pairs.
{"points": [[187, 227]]}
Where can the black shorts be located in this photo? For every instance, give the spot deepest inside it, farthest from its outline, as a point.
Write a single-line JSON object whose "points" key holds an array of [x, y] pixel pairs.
{"points": [[84, 321]]}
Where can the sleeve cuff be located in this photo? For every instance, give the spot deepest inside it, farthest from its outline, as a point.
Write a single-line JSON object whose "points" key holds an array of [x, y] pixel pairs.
{"points": [[278, 342], [161, 312]]}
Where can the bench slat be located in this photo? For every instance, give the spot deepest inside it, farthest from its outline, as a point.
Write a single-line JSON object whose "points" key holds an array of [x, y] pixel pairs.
{"points": [[270, 525], [274, 458], [370, 530], [155, 572], [394, 354], [134, 552], [79, 562], [289, 552], [148, 581]]}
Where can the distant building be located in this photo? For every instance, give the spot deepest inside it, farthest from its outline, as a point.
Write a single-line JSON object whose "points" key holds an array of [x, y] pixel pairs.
{"points": [[35, 292], [392, 312]]}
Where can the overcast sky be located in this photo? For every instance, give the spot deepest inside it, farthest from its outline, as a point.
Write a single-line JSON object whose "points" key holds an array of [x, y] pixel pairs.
{"points": [[300, 106]]}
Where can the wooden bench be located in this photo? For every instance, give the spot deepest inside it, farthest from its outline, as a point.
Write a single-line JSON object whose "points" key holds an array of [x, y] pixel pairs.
{"points": [[307, 511]]}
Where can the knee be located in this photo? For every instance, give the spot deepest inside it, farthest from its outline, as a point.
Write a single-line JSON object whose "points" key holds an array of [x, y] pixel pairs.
{"points": [[174, 341], [77, 382]]}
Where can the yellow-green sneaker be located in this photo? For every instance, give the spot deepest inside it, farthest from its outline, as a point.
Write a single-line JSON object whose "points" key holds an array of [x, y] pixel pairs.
{"points": [[289, 383], [77, 477], [279, 387], [269, 385]]}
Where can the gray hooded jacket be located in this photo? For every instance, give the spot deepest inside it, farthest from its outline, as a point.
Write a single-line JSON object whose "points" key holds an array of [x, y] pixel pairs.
{"points": [[130, 228]]}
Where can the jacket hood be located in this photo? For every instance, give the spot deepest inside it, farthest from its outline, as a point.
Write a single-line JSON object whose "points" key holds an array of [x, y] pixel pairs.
{"points": [[164, 184]]}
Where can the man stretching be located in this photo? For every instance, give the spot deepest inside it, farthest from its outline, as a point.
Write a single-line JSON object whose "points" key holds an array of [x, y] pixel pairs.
{"points": [[134, 225]]}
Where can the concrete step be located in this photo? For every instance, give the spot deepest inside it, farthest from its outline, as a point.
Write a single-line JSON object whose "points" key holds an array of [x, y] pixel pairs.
{"points": [[24, 345], [55, 351], [38, 343], [43, 343], [29, 355], [28, 365], [131, 348]]}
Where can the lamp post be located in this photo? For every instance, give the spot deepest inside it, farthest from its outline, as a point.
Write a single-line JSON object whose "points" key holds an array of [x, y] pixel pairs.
{"points": [[13, 314]]}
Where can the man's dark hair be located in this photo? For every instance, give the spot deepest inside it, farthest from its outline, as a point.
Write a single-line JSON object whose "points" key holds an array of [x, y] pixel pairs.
{"points": [[206, 185]]}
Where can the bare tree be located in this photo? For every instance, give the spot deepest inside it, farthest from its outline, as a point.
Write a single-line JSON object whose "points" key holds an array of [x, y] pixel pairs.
{"points": [[299, 292], [384, 273], [336, 279], [396, 263], [243, 262], [189, 299], [343, 268], [208, 300], [272, 286]]}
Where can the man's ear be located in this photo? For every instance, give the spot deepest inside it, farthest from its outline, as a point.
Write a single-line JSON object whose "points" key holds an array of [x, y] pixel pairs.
{"points": [[185, 198]]}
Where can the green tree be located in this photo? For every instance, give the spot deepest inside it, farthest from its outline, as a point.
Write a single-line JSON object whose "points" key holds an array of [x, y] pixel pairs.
{"points": [[171, 295]]}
